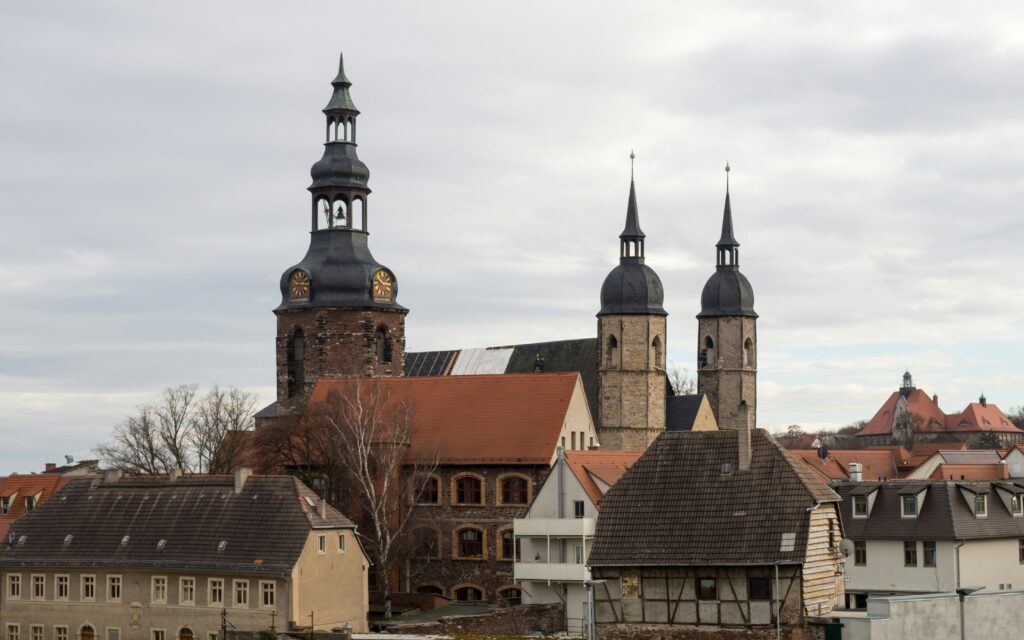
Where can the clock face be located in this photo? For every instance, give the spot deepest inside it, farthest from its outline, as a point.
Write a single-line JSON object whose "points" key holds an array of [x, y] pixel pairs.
{"points": [[383, 285], [298, 285]]}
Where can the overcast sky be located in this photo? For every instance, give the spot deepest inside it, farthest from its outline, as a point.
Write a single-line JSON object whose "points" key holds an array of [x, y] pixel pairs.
{"points": [[154, 159]]}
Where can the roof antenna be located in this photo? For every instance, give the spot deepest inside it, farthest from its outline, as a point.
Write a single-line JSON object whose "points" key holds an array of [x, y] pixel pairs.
{"points": [[632, 157]]}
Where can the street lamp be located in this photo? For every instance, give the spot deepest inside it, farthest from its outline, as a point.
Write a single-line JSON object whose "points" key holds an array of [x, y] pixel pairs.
{"points": [[591, 622], [963, 592]]}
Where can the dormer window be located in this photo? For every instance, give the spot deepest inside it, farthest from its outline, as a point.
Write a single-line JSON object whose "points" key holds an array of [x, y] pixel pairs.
{"points": [[908, 506], [980, 506], [1016, 506], [5, 504], [860, 506], [30, 503]]}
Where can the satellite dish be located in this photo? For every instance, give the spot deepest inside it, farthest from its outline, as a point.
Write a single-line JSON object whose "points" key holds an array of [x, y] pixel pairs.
{"points": [[846, 547], [69, 459]]}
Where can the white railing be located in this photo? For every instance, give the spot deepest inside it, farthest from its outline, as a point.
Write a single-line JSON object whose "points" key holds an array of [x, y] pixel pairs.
{"points": [[551, 572], [554, 527]]}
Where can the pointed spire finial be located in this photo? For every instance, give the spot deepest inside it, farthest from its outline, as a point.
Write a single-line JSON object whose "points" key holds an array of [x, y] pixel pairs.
{"points": [[632, 157], [727, 170]]}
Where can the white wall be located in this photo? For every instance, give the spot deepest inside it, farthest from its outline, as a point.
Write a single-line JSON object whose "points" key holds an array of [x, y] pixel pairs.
{"points": [[1015, 459]]}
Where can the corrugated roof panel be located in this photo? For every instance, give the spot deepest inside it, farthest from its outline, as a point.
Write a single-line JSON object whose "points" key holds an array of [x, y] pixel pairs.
{"points": [[472, 362]]}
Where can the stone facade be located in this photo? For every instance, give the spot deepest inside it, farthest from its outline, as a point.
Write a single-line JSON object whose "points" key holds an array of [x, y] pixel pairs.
{"points": [[439, 564], [338, 343], [727, 367], [506, 621], [632, 380]]}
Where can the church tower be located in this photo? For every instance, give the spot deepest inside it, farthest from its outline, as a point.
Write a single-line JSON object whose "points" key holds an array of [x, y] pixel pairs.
{"points": [[727, 335], [338, 315], [631, 345]]}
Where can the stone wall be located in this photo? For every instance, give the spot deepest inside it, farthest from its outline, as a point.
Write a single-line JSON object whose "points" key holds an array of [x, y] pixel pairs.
{"points": [[660, 632], [631, 397], [521, 620], [729, 374]]}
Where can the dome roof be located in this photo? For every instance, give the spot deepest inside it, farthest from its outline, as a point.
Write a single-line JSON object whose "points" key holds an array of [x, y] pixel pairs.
{"points": [[340, 269], [632, 288], [727, 293], [340, 167]]}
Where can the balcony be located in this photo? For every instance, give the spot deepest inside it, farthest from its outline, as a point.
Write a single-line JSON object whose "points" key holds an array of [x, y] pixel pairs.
{"points": [[551, 572], [554, 527]]}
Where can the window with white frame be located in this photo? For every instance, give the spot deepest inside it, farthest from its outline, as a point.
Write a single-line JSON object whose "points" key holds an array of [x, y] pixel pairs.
{"points": [[908, 506], [14, 586], [578, 508], [241, 591], [860, 506], [60, 632], [160, 589], [187, 591], [13, 632], [578, 553], [114, 588], [63, 587], [113, 633], [157, 634], [267, 594], [89, 587], [216, 586], [321, 544], [980, 505], [38, 587], [341, 542], [36, 632], [1016, 505]]}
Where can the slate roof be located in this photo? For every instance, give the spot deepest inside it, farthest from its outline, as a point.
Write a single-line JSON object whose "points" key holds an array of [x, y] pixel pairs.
{"points": [[608, 467], [265, 525], [675, 507], [487, 419], [944, 515], [681, 411]]}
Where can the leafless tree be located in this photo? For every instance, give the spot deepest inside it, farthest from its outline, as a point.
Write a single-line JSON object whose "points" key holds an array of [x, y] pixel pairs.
{"points": [[218, 418], [374, 444], [179, 431], [683, 384]]}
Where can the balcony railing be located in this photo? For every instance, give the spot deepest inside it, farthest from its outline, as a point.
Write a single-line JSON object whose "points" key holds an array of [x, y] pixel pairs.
{"points": [[551, 572], [554, 527]]}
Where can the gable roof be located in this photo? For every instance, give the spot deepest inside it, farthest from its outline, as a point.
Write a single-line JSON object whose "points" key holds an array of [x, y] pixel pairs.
{"points": [[559, 356], [481, 419], [681, 411], [608, 467], [975, 417], [17, 487], [997, 471], [265, 525], [675, 507]]}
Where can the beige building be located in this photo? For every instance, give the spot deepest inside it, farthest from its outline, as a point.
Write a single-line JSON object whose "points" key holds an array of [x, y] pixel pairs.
{"points": [[155, 558]]}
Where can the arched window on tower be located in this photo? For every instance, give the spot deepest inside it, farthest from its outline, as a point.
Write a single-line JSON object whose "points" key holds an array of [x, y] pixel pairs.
{"points": [[611, 356], [656, 353], [296, 363], [358, 214], [383, 345], [707, 353], [340, 213], [748, 353]]}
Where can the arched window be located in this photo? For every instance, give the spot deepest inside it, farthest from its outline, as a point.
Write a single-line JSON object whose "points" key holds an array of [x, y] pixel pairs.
{"points": [[656, 351], [383, 345], [428, 543], [510, 596], [468, 593], [748, 353], [469, 543], [296, 363], [186, 634], [469, 490], [611, 356], [359, 213], [508, 545], [87, 633], [515, 490], [428, 491], [707, 353], [432, 589]]}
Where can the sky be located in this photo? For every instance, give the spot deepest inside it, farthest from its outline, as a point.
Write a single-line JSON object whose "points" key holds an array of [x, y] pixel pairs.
{"points": [[154, 159]]}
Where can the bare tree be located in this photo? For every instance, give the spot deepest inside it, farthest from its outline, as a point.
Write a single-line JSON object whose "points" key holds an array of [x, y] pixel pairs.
{"points": [[218, 418], [178, 431], [374, 438], [1016, 416], [682, 383]]}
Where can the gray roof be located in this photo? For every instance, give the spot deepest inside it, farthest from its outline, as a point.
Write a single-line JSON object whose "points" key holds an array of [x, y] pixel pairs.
{"points": [[681, 411], [728, 239], [632, 288], [264, 526], [632, 229], [727, 293], [945, 514], [676, 507]]}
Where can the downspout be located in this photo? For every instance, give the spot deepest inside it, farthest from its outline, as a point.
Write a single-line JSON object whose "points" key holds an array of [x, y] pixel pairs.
{"points": [[962, 543], [562, 591], [778, 606]]}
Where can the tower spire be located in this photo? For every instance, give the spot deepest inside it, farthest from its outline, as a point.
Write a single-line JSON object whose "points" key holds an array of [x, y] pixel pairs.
{"points": [[727, 246], [631, 240]]}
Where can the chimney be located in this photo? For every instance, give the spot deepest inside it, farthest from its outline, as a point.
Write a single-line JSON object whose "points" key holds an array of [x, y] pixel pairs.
{"points": [[174, 475], [321, 508], [50, 466], [111, 475], [935, 399], [746, 426], [982, 400], [856, 472], [241, 475]]}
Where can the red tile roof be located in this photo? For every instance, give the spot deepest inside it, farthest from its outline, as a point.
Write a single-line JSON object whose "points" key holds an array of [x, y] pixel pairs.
{"points": [[976, 417], [945, 471], [980, 417], [827, 469], [875, 464], [606, 466], [18, 487], [479, 419]]}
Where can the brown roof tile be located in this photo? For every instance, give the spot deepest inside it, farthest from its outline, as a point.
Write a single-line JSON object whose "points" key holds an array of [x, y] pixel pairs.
{"points": [[606, 466]]}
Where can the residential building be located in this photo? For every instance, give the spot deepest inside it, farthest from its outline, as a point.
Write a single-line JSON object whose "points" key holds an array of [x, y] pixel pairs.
{"points": [[20, 494], [557, 532], [1014, 459], [848, 464], [711, 529], [931, 536], [160, 557], [910, 415], [943, 463]]}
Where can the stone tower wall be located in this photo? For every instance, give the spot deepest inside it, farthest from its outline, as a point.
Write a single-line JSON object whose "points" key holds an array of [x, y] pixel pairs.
{"points": [[339, 343], [631, 400], [729, 376]]}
